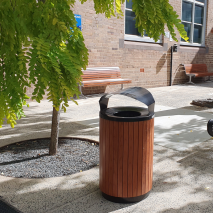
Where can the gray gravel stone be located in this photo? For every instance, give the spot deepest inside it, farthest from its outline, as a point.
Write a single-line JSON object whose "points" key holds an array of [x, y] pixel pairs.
{"points": [[30, 159]]}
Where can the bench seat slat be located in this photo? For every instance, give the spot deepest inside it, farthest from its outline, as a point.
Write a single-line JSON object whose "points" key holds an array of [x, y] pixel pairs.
{"points": [[101, 75], [102, 68], [99, 78], [105, 82], [203, 74], [101, 71]]}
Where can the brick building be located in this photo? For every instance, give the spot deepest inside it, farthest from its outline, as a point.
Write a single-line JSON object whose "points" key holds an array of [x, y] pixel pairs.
{"points": [[116, 42]]}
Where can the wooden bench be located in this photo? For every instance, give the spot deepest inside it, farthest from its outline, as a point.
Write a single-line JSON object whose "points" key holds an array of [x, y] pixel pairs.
{"points": [[102, 76], [196, 70]]}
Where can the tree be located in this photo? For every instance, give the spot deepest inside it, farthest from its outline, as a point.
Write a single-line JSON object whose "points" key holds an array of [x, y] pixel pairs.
{"points": [[43, 35]]}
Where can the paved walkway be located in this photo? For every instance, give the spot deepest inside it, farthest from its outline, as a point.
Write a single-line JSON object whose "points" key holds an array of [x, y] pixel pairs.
{"points": [[183, 157]]}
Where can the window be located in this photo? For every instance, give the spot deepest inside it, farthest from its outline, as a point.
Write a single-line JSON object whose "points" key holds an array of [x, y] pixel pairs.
{"points": [[194, 21], [131, 32]]}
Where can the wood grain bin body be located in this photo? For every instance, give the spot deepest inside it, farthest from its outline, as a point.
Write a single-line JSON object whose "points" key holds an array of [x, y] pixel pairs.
{"points": [[126, 153]]}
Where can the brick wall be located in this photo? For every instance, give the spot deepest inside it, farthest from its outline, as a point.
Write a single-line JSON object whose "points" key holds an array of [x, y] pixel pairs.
{"points": [[105, 40]]}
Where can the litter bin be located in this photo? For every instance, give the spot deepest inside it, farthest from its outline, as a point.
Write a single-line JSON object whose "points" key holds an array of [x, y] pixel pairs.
{"points": [[126, 148]]}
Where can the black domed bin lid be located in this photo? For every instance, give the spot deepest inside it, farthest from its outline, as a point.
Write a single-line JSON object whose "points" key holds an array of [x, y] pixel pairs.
{"points": [[129, 113]]}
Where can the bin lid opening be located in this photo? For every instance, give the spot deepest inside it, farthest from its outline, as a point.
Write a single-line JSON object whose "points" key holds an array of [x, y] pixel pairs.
{"points": [[127, 114]]}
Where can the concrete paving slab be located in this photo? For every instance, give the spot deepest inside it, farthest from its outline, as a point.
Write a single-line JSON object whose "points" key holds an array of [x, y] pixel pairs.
{"points": [[180, 129]]}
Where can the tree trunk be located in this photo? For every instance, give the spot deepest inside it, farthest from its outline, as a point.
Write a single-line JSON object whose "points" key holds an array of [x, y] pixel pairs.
{"points": [[54, 132]]}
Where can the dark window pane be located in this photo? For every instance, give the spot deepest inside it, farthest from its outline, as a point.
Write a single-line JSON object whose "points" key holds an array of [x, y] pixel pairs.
{"points": [[187, 27], [130, 23], [187, 11], [197, 34], [198, 14], [200, 1], [129, 4]]}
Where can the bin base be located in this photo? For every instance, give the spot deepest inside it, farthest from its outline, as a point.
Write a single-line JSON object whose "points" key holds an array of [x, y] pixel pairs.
{"points": [[125, 199]]}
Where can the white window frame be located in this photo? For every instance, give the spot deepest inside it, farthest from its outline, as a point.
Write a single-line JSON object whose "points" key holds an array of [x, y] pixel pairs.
{"points": [[129, 37], [192, 23]]}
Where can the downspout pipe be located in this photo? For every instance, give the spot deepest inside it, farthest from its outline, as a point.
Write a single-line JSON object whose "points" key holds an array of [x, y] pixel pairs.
{"points": [[170, 83], [173, 49]]}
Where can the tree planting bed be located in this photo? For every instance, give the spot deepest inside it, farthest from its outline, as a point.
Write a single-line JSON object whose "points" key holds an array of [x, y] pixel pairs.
{"points": [[30, 159]]}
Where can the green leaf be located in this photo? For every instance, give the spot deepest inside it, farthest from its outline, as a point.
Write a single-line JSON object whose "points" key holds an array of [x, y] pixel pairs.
{"points": [[55, 20]]}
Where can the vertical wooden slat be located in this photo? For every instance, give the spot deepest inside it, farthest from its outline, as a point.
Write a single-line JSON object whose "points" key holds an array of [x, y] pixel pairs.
{"points": [[115, 157], [130, 159], [103, 152], [135, 159], [120, 159], [101, 156], [125, 159], [140, 157], [151, 149], [144, 158], [150, 154], [107, 171], [147, 155], [111, 159]]}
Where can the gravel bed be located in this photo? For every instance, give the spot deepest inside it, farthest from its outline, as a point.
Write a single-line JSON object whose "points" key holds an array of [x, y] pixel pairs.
{"points": [[30, 159]]}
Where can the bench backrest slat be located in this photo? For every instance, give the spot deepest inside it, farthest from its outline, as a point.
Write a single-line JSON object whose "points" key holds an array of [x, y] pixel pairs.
{"points": [[195, 68], [99, 73]]}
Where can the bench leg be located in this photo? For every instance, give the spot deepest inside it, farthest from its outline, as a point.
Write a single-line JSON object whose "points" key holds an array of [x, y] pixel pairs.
{"points": [[122, 86], [80, 89], [190, 80]]}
